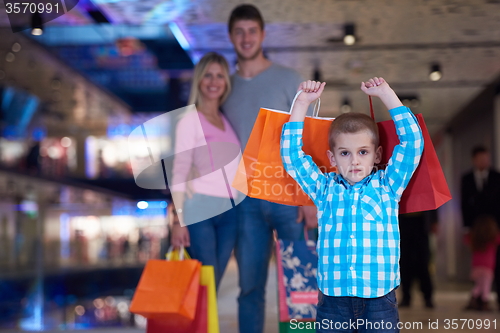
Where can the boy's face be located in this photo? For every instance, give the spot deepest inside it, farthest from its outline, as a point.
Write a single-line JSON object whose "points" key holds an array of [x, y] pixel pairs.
{"points": [[247, 38], [354, 155]]}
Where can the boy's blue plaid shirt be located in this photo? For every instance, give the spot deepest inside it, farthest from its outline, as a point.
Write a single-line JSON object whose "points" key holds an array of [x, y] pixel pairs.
{"points": [[358, 245]]}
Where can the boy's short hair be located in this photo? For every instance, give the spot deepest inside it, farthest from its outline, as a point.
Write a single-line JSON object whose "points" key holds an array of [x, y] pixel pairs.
{"points": [[245, 12], [479, 150], [352, 122]]}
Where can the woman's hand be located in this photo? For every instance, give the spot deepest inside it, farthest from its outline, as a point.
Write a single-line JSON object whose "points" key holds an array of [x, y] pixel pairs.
{"points": [[180, 236]]}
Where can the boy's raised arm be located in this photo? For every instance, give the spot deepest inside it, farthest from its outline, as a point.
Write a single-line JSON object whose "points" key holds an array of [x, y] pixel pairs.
{"points": [[298, 165], [406, 155]]}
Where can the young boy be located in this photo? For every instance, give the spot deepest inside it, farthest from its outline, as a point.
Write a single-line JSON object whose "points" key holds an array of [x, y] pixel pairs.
{"points": [[358, 245]]}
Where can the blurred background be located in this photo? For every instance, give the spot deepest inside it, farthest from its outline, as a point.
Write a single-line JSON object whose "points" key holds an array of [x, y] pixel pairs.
{"points": [[75, 230]]}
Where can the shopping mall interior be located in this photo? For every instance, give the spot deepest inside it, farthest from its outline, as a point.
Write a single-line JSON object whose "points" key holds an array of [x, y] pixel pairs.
{"points": [[75, 228]]}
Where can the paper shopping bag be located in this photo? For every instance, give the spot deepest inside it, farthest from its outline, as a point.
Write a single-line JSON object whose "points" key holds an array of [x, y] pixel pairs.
{"points": [[168, 290], [208, 280], [297, 265], [261, 173], [199, 324], [427, 189]]}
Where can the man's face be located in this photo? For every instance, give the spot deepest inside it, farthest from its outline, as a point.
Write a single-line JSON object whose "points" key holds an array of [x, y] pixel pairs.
{"points": [[247, 38], [482, 161], [354, 155]]}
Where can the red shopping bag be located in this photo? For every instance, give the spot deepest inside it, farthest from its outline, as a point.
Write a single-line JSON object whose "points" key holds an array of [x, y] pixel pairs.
{"points": [[427, 189], [199, 324]]}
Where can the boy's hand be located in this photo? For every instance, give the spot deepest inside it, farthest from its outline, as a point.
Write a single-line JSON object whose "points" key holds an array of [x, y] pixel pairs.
{"points": [[379, 88], [375, 87], [311, 90]]}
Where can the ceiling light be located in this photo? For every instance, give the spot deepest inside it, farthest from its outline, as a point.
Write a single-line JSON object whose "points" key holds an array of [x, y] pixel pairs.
{"points": [[346, 106], [55, 83], [16, 47], [36, 24], [435, 74], [10, 57], [317, 75], [349, 35], [142, 204]]}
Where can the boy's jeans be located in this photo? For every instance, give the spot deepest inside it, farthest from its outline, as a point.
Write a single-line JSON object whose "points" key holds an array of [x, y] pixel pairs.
{"points": [[257, 219], [355, 314]]}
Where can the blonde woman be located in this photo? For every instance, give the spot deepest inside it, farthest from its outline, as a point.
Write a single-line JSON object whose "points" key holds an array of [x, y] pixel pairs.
{"points": [[209, 240]]}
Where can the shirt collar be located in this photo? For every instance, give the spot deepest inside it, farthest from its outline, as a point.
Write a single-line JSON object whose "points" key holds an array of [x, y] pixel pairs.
{"points": [[341, 180]]}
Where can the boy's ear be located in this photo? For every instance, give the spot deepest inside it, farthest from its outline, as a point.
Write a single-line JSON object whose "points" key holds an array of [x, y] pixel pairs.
{"points": [[331, 158], [378, 155]]}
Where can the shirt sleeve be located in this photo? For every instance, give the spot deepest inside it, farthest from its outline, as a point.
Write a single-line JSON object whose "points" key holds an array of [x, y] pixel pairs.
{"points": [[406, 155], [185, 140], [300, 166]]}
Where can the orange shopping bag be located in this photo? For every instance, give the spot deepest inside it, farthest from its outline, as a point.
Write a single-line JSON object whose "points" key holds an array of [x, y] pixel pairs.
{"points": [[168, 290], [261, 172], [199, 324]]}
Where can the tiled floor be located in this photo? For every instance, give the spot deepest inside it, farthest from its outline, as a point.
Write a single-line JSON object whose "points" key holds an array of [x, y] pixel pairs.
{"points": [[450, 299], [449, 302]]}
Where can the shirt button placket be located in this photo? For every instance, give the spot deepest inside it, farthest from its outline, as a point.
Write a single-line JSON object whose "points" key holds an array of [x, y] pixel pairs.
{"points": [[350, 247]]}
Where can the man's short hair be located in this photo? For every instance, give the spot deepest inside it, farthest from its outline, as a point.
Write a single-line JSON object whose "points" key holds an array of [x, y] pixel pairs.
{"points": [[479, 150], [245, 12], [352, 122]]}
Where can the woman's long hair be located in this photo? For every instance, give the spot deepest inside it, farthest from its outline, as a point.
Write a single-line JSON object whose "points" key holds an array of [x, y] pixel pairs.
{"points": [[195, 96], [483, 233]]}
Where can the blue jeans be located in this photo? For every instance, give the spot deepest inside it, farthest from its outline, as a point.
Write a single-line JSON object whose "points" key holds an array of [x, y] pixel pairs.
{"points": [[212, 240], [257, 220], [355, 314]]}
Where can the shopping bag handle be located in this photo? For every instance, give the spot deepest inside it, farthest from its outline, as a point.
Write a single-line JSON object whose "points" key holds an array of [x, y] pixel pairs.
{"points": [[371, 108], [317, 104], [182, 252]]}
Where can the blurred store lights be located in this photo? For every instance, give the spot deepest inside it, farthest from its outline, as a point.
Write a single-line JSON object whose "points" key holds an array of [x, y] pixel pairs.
{"points": [[118, 130], [143, 208], [152, 208], [65, 236], [66, 142], [107, 157], [34, 320], [38, 133], [29, 207], [79, 310], [17, 109], [181, 39], [142, 204]]}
